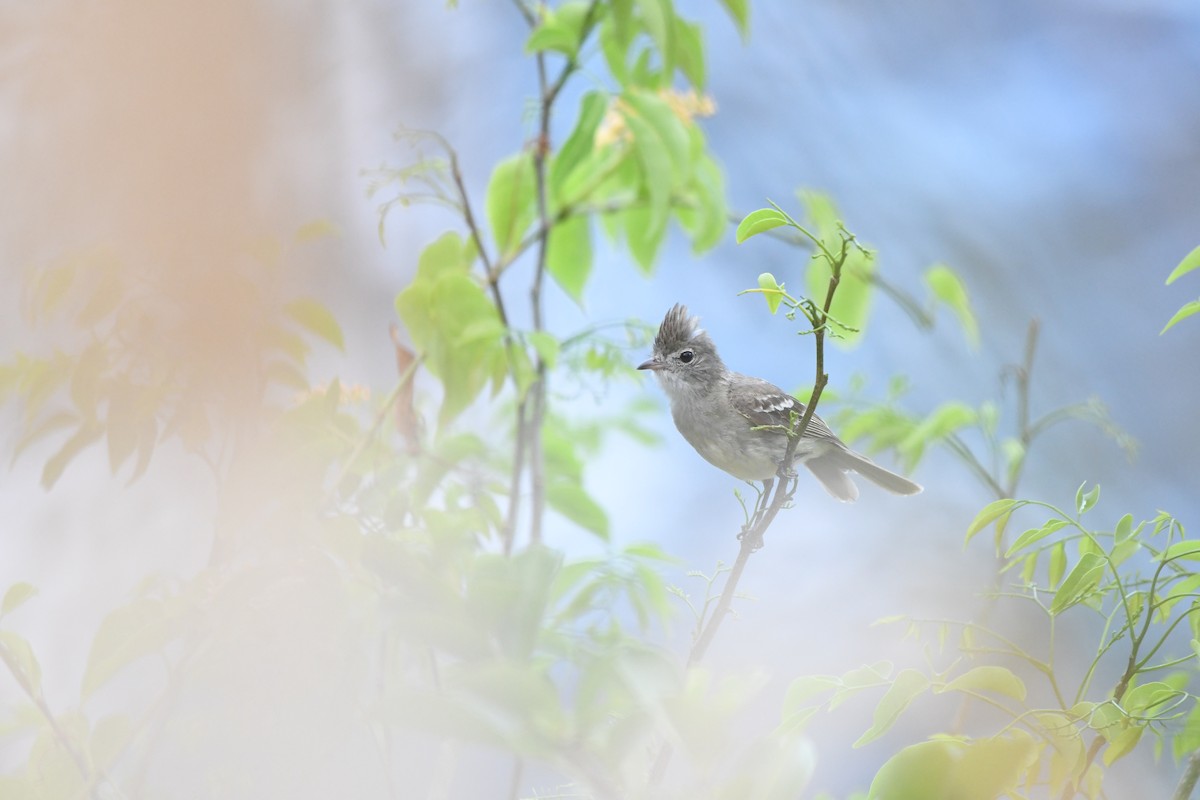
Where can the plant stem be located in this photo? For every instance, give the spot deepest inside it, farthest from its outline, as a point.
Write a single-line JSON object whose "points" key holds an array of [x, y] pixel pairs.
{"points": [[1187, 781]]}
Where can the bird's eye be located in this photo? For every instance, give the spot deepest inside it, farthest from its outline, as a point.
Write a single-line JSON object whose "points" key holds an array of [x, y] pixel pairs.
{"points": [[686, 356]]}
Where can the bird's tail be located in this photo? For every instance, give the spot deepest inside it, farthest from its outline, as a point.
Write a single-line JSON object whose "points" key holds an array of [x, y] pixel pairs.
{"points": [[830, 469], [886, 479]]}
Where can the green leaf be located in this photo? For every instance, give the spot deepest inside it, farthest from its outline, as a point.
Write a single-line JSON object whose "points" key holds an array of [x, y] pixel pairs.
{"points": [[15, 595], [1124, 529], [508, 596], [1187, 310], [1188, 549], [1190, 262], [707, 217], [802, 689], [990, 512], [908, 684], [988, 678], [561, 29], [316, 318], [569, 255], [579, 145], [1058, 563], [949, 289], [689, 51], [510, 202], [739, 12], [657, 16], [125, 635], [570, 500], [756, 222], [18, 656], [852, 302], [772, 291], [1086, 501], [1033, 535], [946, 419], [1081, 580], [644, 236], [546, 345], [656, 114], [923, 771], [1122, 744]]}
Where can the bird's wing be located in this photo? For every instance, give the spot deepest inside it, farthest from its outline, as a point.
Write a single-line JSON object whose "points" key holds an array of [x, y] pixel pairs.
{"points": [[764, 403]]}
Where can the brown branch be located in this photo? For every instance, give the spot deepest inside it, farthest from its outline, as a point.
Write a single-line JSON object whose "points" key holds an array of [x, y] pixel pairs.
{"points": [[778, 493], [549, 92]]}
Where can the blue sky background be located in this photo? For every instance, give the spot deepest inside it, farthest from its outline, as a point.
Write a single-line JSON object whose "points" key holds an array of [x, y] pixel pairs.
{"points": [[1048, 151]]}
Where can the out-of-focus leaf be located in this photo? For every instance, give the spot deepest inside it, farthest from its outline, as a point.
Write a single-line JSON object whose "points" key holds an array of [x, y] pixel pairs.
{"points": [[317, 229], [510, 201], [852, 302], [948, 288], [904, 689], [110, 737], [706, 219], [508, 596], [86, 379], [569, 255], [657, 16], [689, 51], [739, 11], [316, 318], [570, 500], [988, 678], [560, 29], [18, 656], [86, 434], [546, 345], [922, 771], [579, 145], [776, 767], [49, 424], [125, 635], [15, 595]]}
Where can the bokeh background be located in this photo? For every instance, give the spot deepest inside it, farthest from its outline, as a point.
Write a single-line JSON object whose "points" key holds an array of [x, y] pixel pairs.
{"points": [[1048, 151]]}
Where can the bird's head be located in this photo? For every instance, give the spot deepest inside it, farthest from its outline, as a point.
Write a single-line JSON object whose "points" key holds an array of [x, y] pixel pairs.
{"points": [[684, 355]]}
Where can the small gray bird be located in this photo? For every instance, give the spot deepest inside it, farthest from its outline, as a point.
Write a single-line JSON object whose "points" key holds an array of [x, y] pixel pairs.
{"points": [[738, 423]]}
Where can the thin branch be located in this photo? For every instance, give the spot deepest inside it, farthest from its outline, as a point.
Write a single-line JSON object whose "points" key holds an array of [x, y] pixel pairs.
{"points": [[537, 392], [784, 488]]}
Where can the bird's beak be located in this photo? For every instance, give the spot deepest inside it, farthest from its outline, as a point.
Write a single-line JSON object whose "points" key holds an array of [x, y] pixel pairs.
{"points": [[652, 364]]}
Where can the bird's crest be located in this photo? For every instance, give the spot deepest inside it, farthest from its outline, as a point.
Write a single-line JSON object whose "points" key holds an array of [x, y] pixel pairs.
{"points": [[677, 329]]}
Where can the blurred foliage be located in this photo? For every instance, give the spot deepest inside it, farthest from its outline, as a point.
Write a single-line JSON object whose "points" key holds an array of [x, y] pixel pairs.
{"points": [[381, 585]]}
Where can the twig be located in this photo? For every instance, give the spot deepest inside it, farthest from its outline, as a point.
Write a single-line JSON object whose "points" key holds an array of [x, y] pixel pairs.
{"points": [[784, 489]]}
